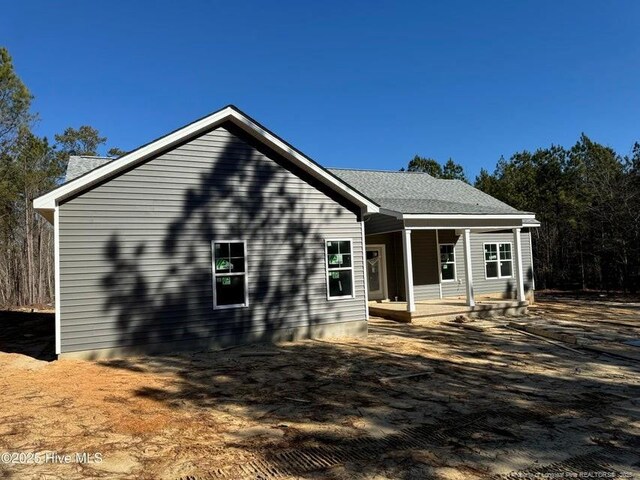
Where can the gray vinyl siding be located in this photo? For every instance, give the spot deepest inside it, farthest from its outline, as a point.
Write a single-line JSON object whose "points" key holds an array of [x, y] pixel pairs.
{"points": [[379, 223], [426, 277], [504, 286], [482, 285], [136, 261]]}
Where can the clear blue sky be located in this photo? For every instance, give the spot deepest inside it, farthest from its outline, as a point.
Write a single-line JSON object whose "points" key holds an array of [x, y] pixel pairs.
{"points": [[364, 84]]}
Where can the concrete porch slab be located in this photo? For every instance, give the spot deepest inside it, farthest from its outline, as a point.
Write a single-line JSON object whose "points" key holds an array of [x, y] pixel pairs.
{"points": [[448, 307]]}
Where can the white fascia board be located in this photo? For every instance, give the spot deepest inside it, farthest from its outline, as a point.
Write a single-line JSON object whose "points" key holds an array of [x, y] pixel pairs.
{"points": [[525, 224], [454, 216], [49, 200]]}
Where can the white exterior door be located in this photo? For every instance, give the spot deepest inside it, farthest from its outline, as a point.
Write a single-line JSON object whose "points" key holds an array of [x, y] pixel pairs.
{"points": [[376, 272]]}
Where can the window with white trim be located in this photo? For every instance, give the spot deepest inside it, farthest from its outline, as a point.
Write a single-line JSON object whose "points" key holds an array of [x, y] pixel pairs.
{"points": [[230, 274], [339, 255], [498, 262], [447, 262]]}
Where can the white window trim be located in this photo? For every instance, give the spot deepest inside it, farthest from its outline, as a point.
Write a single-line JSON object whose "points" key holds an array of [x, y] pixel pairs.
{"points": [[352, 268], [215, 275], [484, 258], [455, 259]]}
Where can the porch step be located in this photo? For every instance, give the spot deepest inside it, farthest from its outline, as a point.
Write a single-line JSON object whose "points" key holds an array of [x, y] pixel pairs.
{"points": [[401, 316]]}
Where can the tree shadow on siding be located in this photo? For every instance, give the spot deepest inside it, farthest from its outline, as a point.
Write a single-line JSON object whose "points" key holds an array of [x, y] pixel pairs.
{"points": [[528, 280], [160, 288], [510, 287]]}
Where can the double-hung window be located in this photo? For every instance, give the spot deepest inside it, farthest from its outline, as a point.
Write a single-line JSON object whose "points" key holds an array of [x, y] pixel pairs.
{"points": [[230, 274], [498, 262], [338, 254], [447, 262]]}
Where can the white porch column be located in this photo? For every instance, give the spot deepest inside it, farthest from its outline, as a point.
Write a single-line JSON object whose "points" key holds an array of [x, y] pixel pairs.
{"points": [[408, 270], [468, 268], [517, 244]]}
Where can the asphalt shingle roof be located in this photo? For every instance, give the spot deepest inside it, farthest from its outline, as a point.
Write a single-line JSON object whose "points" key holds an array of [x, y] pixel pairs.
{"points": [[420, 193], [80, 164]]}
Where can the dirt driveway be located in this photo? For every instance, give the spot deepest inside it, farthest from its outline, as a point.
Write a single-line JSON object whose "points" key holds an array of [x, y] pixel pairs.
{"points": [[467, 404]]}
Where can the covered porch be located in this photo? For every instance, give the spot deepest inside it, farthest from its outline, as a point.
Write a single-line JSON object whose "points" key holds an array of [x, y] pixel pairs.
{"points": [[426, 270]]}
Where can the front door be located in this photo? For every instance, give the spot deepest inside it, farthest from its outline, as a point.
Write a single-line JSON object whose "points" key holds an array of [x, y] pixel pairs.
{"points": [[376, 272]]}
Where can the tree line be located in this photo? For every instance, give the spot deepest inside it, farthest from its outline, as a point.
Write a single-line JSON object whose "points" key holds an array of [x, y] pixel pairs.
{"points": [[587, 198], [450, 170], [29, 167]]}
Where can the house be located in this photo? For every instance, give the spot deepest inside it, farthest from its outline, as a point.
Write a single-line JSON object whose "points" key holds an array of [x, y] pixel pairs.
{"points": [[221, 233]]}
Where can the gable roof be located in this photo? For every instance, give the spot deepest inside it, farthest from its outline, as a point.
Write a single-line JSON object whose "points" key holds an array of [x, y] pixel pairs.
{"points": [[418, 194], [48, 202]]}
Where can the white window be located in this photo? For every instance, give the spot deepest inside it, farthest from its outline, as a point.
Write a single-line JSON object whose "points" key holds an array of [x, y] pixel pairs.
{"points": [[230, 274], [338, 255], [498, 262], [447, 262]]}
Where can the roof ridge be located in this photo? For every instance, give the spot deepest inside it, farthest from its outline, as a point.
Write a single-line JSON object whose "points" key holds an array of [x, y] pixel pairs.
{"points": [[377, 170], [397, 171]]}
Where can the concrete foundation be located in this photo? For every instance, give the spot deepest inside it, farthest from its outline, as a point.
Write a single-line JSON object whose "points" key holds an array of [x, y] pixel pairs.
{"points": [[328, 330]]}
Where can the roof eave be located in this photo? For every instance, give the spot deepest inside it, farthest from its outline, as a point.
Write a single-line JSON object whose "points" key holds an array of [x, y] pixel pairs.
{"points": [[530, 224]]}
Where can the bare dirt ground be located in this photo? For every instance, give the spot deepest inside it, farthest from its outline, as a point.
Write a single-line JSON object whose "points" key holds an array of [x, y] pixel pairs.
{"points": [[494, 403]]}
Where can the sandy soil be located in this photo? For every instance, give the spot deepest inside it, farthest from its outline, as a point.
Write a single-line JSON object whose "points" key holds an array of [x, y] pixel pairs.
{"points": [[487, 404]]}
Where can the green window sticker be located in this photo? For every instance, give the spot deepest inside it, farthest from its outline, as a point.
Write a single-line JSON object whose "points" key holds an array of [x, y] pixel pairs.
{"points": [[226, 280], [335, 275], [223, 264], [335, 259]]}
